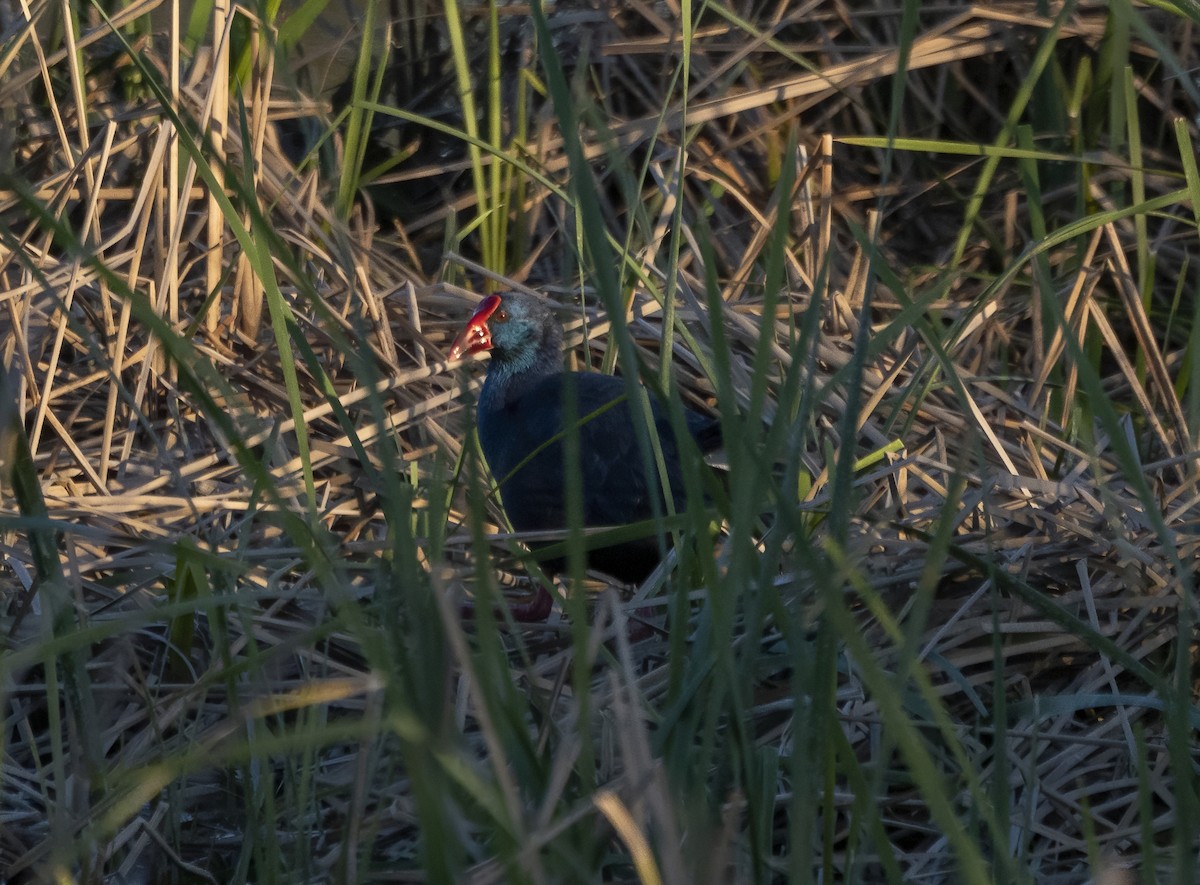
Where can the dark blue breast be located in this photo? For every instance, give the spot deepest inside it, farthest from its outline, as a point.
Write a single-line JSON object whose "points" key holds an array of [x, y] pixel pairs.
{"points": [[522, 439]]}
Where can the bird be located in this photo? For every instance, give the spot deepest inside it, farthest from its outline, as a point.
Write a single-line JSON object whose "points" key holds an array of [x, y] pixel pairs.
{"points": [[521, 422]]}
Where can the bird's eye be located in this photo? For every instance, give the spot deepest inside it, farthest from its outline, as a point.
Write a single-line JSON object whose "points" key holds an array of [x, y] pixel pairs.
{"points": [[500, 316]]}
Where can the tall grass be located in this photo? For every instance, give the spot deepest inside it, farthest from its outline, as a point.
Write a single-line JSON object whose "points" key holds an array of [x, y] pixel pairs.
{"points": [[935, 620]]}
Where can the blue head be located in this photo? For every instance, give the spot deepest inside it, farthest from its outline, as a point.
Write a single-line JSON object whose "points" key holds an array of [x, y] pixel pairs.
{"points": [[520, 331]]}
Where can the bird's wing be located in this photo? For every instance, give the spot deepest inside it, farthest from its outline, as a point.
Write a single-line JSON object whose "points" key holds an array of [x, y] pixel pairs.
{"points": [[615, 491], [613, 459], [524, 441]]}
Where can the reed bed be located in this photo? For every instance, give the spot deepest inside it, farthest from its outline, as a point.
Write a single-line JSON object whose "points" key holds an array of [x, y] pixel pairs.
{"points": [[934, 268]]}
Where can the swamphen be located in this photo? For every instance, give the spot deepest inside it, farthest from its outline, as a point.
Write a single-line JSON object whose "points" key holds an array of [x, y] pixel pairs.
{"points": [[521, 430]]}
